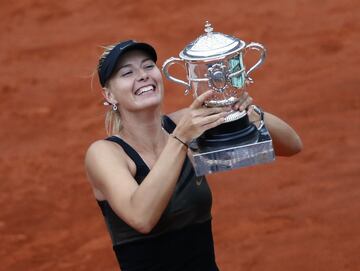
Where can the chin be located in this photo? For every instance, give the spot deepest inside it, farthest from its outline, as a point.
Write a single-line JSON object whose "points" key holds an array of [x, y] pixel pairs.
{"points": [[150, 102]]}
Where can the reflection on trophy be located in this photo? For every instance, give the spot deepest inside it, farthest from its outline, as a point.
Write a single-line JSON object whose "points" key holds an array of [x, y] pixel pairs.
{"points": [[215, 61]]}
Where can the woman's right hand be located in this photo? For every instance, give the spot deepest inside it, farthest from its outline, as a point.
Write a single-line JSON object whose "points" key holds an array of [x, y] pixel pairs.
{"points": [[198, 118]]}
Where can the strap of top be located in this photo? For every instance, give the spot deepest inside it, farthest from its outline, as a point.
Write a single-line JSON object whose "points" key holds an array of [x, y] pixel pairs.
{"points": [[168, 124], [141, 168]]}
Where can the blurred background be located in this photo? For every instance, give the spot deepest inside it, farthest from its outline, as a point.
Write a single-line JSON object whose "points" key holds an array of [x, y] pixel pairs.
{"points": [[299, 213]]}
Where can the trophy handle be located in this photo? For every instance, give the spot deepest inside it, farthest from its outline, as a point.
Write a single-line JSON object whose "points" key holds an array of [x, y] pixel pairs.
{"points": [[169, 62], [262, 50]]}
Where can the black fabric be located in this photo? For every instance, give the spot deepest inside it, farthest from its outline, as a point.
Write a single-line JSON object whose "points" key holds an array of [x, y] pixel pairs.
{"points": [[168, 124], [182, 239], [108, 65], [188, 249]]}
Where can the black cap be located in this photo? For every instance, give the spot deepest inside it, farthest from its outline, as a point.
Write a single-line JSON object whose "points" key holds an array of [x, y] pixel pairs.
{"points": [[109, 63]]}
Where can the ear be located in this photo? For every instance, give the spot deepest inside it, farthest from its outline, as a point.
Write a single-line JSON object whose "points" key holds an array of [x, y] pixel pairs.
{"points": [[109, 96]]}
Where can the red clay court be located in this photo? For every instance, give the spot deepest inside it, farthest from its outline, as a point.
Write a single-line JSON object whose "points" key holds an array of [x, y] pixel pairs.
{"points": [[299, 214]]}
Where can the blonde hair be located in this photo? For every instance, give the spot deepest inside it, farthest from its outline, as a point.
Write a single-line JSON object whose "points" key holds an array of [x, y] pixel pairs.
{"points": [[112, 117], [112, 121]]}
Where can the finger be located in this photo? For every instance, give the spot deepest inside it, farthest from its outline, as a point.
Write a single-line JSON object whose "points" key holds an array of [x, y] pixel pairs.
{"points": [[244, 96], [250, 109], [241, 100], [204, 121], [214, 123], [199, 101], [206, 111], [236, 106], [246, 103]]}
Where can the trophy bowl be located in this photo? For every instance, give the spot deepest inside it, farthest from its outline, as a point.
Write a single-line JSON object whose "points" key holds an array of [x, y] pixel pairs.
{"points": [[216, 61]]}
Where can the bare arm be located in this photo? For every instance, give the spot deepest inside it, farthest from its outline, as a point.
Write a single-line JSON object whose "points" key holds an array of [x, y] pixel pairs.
{"points": [[141, 206], [285, 139]]}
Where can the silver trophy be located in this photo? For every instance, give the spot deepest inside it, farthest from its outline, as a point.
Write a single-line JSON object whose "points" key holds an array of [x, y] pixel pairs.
{"points": [[215, 61]]}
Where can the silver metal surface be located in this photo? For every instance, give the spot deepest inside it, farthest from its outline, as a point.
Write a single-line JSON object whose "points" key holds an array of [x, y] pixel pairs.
{"points": [[235, 156], [235, 115], [218, 77], [206, 79], [215, 61], [220, 103], [262, 50], [169, 62], [210, 46]]}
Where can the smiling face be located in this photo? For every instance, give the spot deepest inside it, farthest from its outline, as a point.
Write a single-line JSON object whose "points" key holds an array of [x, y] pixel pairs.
{"points": [[136, 83]]}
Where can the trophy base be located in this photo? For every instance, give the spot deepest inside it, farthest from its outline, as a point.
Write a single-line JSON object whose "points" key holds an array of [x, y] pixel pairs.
{"points": [[236, 155]]}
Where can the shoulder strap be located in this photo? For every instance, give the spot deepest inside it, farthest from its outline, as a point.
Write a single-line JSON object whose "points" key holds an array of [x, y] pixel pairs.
{"points": [[168, 124], [141, 168]]}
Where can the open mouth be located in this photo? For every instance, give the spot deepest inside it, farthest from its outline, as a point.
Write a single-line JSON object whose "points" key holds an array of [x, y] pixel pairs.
{"points": [[144, 89]]}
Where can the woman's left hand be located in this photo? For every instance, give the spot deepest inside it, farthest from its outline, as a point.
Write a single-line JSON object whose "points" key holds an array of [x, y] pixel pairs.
{"points": [[244, 102]]}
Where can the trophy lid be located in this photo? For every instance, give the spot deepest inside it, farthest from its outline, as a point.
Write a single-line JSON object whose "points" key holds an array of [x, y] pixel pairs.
{"points": [[211, 45]]}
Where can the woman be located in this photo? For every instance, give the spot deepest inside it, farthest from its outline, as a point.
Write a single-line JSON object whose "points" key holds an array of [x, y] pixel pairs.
{"points": [[157, 214]]}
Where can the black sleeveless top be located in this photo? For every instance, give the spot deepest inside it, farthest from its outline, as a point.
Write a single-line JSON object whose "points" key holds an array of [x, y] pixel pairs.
{"points": [[182, 239]]}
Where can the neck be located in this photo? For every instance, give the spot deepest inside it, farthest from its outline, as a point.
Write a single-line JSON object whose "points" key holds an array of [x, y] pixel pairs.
{"points": [[143, 130]]}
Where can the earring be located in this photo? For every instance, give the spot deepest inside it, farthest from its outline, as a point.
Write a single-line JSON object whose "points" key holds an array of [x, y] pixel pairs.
{"points": [[114, 107]]}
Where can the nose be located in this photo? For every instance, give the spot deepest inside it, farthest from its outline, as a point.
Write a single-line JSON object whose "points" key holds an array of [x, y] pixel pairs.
{"points": [[142, 75]]}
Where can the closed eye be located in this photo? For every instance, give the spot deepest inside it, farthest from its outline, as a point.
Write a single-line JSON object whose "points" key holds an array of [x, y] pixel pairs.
{"points": [[127, 73], [149, 66]]}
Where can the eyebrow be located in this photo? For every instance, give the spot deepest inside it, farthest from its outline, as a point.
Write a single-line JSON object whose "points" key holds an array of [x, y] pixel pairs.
{"points": [[129, 65]]}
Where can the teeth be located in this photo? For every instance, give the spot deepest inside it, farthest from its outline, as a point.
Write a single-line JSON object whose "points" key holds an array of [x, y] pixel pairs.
{"points": [[144, 89]]}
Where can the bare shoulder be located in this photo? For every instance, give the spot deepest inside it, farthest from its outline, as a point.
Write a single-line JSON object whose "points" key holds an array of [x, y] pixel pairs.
{"points": [[177, 115], [101, 149], [102, 157]]}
